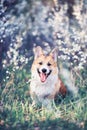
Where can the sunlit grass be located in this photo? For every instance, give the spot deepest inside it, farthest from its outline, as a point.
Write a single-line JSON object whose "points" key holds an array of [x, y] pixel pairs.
{"points": [[17, 110]]}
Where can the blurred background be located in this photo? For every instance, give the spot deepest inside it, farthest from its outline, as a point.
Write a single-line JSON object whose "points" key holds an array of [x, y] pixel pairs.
{"points": [[48, 23]]}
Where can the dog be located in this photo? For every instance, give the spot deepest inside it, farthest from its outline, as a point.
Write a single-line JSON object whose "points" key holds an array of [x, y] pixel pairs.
{"points": [[45, 81]]}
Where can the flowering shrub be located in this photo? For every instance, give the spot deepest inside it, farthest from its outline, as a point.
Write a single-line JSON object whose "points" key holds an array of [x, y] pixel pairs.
{"points": [[37, 24]]}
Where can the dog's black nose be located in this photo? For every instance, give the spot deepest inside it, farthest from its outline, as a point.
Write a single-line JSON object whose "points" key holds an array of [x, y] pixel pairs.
{"points": [[44, 70]]}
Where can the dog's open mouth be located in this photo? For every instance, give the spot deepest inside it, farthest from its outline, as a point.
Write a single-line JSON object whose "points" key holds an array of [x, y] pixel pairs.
{"points": [[43, 76]]}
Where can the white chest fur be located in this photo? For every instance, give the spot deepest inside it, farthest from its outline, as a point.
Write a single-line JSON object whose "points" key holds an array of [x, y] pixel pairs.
{"points": [[41, 89]]}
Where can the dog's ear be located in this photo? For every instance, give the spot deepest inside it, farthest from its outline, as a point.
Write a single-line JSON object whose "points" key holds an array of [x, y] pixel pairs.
{"points": [[38, 51], [54, 54]]}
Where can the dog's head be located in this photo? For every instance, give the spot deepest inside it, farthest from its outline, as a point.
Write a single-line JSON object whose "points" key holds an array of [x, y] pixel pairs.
{"points": [[44, 66]]}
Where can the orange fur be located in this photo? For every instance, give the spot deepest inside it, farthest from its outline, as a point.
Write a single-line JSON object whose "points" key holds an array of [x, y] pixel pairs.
{"points": [[62, 89]]}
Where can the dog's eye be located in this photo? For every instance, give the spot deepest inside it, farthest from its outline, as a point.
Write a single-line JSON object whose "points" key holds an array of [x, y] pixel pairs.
{"points": [[49, 64], [40, 63]]}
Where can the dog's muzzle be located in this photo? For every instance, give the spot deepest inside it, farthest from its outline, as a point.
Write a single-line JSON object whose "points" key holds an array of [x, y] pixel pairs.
{"points": [[43, 74]]}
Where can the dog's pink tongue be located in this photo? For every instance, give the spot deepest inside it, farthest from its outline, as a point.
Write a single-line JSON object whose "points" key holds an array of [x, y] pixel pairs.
{"points": [[43, 77]]}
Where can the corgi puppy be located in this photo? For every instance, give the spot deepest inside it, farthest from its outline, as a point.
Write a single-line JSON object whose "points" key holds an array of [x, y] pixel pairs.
{"points": [[45, 82]]}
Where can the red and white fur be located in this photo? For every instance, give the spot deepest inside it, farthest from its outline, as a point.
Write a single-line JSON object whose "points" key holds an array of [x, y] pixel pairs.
{"points": [[45, 82]]}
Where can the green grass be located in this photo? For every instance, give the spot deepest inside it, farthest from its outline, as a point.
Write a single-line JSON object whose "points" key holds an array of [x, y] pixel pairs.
{"points": [[17, 113]]}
